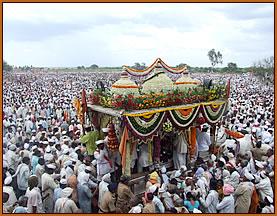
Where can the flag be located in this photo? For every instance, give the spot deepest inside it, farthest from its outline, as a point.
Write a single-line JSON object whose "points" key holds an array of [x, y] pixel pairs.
{"points": [[123, 148], [228, 88], [84, 102]]}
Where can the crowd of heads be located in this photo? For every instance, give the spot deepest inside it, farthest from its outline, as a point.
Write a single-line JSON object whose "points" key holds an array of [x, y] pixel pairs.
{"points": [[46, 166]]}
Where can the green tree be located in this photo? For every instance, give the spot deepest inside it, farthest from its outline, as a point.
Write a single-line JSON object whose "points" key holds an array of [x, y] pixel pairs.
{"points": [[94, 66], [139, 66], [232, 66], [215, 57], [7, 67]]}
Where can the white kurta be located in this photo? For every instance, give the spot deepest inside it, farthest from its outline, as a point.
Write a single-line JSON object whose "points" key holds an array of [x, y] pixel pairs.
{"points": [[34, 199], [48, 186], [227, 205], [103, 165], [264, 188], [180, 151], [143, 157], [211, 202]]}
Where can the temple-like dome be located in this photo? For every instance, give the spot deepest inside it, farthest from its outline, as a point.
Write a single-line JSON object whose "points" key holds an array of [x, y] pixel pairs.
{"points": [[185, 81], [159, 81], [124, 85]]}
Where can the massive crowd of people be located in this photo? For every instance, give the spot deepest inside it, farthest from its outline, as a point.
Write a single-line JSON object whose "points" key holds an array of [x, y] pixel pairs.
{"points": [[47, 168]]}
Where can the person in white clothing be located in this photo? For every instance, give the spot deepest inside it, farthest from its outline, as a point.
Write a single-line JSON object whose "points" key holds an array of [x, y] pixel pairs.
{"points": [[22, 173], [12, 158], [34, 204], [104, 164], [268, 208], [103, 186], [65, 204], [7, 188], [227, 204], [264, 186], [210, 202], [204, 142], [48, 186], [180, 150]]}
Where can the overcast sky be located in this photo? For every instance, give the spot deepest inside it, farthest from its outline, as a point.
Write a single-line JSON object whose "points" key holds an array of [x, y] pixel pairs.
{"points": [[116, 34]]}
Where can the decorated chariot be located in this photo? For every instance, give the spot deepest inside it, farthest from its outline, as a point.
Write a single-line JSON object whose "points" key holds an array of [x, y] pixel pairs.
{"points": [[147, 107]]}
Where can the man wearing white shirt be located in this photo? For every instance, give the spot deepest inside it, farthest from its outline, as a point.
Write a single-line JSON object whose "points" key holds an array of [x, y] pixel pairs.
{"points": [[211, 201], [204, 142]]}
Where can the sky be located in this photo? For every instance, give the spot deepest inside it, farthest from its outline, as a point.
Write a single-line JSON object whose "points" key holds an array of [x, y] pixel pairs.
{"points": [[116, 34]]}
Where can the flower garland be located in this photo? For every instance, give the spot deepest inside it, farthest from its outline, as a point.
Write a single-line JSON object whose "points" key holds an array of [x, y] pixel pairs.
{"points": [[212, 114], [148, 70], [145, 127], [184, 118]]}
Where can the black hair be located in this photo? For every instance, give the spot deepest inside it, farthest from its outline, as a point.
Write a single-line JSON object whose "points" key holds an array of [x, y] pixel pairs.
{"points": [[41, 161], [26, 160], [213, 184], [259, 144], [150, 196], [173, 181]]}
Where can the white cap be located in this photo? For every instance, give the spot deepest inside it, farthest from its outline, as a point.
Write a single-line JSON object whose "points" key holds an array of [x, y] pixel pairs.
{"points": [[45, 143], [66, 192], [98, 142], [152, 188], [105, 130], [64, 132], [33, 131], [34, 147], [26, 145], [8, 180], [184, 168], [51, 166], [205, 125], [63, 181]]}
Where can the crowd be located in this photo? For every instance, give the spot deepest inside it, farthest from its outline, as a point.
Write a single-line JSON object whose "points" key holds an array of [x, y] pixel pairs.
{"points": [[47, 168]]}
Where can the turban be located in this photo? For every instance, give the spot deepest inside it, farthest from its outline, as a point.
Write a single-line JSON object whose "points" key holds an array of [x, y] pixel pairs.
{"points": [[228, 189], [66, 192], [107, 178], [199, 172], [154, 176]]}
